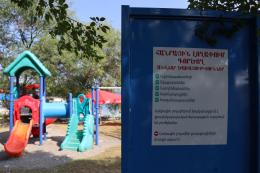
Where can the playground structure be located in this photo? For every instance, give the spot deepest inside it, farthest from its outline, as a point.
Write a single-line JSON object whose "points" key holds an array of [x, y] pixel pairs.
{"points": [[38, 110]]}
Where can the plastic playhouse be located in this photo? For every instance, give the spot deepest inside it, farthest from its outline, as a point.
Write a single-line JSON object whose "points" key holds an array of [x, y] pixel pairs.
{"points": [[30, 113]]}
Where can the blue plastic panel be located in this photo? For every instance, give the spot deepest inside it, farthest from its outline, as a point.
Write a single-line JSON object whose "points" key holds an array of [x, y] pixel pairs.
{"points": [[55, 110], [143, 29]]}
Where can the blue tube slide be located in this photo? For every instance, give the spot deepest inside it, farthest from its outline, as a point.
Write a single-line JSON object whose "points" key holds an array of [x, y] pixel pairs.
{"points": [[55, 110]]}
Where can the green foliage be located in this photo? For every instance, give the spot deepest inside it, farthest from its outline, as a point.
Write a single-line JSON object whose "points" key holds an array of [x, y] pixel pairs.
{"points": [[19, 29], [71, 34], [72, 74], [244, 6], [111, 64], [61, 43]]}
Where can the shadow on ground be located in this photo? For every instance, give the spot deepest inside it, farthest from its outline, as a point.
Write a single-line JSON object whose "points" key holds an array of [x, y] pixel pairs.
{"points": [[112, 134], [33, 159], [24, 159], [109, 123], [108, 165], [58, 139], [3, 137]]}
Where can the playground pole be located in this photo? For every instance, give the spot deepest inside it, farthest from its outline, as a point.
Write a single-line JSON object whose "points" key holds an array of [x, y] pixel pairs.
{"points": [[41, 103], [17, 86], [44, 87], [44, 122], [11, 103], [93, 103], [70, 104], [97, 118]]}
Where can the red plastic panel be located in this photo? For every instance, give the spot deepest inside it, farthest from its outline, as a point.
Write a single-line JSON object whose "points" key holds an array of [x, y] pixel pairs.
{"points": [[27, 101]]}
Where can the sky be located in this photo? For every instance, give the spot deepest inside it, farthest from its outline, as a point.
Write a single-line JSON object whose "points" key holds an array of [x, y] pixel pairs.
{"points": [[111, 9]]}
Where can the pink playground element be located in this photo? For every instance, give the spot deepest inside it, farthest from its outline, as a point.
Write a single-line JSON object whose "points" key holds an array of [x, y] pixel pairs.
{"points": [[32, 86], [106, 97]]}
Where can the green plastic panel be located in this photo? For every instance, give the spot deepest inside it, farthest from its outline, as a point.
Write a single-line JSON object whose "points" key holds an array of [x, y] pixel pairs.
{"points": [[79, 140], [26, 61]]}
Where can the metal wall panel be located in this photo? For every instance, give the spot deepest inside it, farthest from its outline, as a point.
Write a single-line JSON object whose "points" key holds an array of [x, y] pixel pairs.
{"points": [[142, 30]]}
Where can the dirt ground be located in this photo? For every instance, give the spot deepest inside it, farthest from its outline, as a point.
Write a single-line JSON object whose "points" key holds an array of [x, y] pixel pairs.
{"points": [[50, 158]]}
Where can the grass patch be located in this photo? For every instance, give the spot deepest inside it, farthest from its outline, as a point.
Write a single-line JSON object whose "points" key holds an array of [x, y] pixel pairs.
{"points": [[112, 129]]}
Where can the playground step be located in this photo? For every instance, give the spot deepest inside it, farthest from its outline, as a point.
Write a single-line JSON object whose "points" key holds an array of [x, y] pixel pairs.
{"points": [[70, 148], [75, 140], [73, 144], [76, 136]]}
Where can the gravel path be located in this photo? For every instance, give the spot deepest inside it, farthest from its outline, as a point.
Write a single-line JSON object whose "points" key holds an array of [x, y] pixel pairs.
{"points": [[49, 154]]}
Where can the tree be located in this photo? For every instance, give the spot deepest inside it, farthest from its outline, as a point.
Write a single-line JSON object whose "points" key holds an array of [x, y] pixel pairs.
{"points": [[24, 23], [71, 34], [76, 75], [19, 31], [71, 71], [112, 61], [244, 6]]}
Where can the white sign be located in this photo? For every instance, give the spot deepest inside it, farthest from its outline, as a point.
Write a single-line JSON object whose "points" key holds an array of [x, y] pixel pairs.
{"points": [[190, 96]]}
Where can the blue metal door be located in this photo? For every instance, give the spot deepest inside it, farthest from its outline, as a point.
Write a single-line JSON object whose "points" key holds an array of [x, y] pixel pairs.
{"points": [[142, 30]]}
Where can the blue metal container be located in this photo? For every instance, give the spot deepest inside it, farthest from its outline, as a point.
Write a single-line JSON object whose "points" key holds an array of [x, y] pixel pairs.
{"points": [[145, 28]]}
